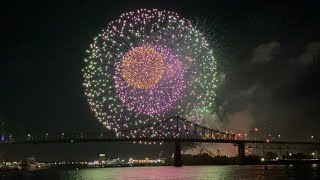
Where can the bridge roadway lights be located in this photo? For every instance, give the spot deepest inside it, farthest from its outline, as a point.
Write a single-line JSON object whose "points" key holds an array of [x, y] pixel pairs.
{"points": [[241, 152], [177, 154]]}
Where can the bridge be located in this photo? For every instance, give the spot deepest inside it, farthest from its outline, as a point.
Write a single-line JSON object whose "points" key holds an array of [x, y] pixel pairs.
{"points": [[181, 131]]}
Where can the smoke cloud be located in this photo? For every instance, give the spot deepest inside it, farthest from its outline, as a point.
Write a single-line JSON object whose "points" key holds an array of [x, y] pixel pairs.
{"points": [[312, 51], [266, 94], [264, 53]]}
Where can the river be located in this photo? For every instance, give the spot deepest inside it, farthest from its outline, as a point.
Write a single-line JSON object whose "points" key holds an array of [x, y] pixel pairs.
{"points": [[166, 172]]}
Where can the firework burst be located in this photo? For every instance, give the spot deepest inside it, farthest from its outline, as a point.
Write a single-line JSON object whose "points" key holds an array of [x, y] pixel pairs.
{"points": [[147, 66]]}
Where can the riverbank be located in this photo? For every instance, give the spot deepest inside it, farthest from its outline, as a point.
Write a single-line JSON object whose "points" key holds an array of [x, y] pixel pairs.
{"points": [[187, 160]]}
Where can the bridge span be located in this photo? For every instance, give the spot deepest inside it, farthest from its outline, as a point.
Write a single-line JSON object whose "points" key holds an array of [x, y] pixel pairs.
{"points": [[181, 131]]}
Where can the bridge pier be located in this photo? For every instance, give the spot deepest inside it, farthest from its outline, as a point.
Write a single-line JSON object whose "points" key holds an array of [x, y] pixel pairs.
{"points": [[177, 154], [241, 152]]}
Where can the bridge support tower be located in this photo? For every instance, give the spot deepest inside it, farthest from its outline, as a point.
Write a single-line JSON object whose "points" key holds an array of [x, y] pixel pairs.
{"points": [[177, 154], [241, 152]]}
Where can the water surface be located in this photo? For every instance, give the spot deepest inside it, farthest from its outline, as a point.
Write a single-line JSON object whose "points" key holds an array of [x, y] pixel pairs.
{"points": [[186, 172]]}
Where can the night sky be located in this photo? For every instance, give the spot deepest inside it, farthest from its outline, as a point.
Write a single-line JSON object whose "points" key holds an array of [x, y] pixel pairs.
{"points": [[269, 56]]}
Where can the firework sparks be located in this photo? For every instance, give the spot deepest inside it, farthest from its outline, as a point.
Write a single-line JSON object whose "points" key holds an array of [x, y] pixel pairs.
{"points": [[142, 67]]}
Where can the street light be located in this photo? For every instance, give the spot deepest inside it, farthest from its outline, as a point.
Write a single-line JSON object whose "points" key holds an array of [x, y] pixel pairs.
{"points": [[28, 137], [46, 136], [62, 135]]}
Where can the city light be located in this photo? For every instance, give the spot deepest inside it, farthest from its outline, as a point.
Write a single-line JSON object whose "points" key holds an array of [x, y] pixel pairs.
{"points": [[145, 161]]}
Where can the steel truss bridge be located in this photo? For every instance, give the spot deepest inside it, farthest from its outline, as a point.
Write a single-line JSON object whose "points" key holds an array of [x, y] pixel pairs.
{"points": [[181, 130]]}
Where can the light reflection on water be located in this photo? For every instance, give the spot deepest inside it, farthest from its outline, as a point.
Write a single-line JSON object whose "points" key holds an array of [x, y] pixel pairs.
{"points": [[186, 172]]}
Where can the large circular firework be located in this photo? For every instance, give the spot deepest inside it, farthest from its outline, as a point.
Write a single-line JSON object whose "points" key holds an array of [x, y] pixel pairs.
{"points": [[147, 66]]}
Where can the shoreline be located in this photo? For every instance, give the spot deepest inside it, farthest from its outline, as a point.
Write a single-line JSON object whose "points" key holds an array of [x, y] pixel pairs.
{"points": [[80, 167]]}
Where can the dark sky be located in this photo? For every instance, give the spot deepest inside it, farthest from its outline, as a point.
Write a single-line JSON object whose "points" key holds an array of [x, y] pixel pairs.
{"points": [[270, 67]]}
